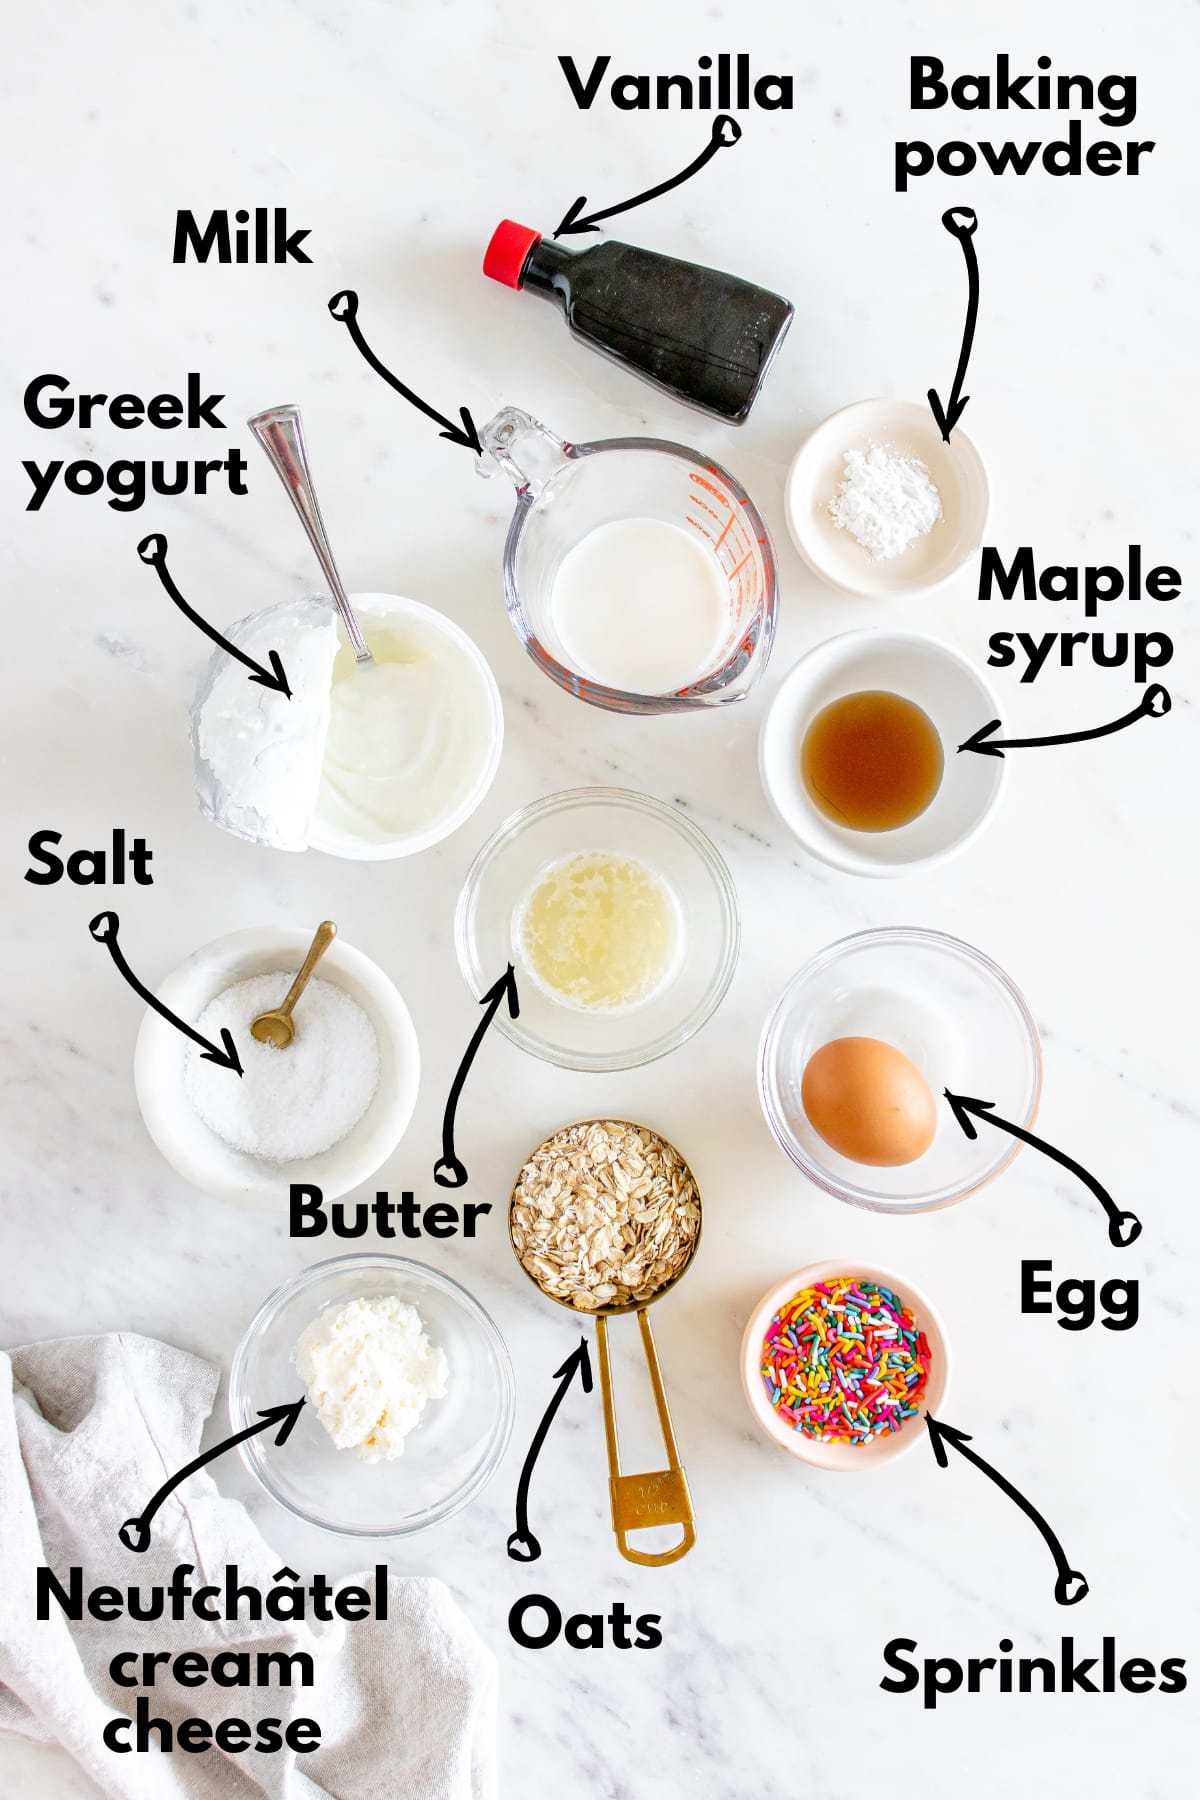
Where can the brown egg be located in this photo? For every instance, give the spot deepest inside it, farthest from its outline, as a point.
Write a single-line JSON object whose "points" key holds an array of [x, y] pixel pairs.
{"points": [[868, 1102]]}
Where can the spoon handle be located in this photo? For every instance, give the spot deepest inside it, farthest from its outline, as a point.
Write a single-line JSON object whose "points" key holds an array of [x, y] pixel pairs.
{"points": [[325, 933], [281, 434]]}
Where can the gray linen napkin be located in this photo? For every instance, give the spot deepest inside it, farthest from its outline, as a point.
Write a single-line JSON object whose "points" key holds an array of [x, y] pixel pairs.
{"points": [[90, 1428]]}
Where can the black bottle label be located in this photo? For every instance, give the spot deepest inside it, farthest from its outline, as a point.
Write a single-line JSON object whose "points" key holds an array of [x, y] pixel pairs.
{"points": [[704, 336]]}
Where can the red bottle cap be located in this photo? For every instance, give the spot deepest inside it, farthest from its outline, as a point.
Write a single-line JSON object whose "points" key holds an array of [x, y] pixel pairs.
{"points": [[505, 257]]}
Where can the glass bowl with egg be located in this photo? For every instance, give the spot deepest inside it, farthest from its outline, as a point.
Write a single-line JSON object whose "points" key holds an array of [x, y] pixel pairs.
{"points": [[619, 917], [857, 1056], [439, 1380]]}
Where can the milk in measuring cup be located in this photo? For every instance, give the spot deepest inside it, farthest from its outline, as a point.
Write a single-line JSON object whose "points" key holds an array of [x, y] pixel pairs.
{"points": [[639, 605]]}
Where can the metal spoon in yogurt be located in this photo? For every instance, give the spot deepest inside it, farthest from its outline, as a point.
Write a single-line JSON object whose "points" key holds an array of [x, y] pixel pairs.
{"points": [[276, 1027], [281, 435]]}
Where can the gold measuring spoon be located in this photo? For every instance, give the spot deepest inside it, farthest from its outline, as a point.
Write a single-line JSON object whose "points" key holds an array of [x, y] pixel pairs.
{"points": [[661, 1497], [275, 1027]]}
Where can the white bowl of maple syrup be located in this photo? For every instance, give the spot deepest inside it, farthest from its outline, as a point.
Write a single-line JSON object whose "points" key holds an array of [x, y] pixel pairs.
{"points": [[931, 700]]}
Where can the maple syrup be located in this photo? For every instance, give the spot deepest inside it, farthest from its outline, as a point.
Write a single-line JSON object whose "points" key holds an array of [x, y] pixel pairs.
{"points": [[872, 761]]}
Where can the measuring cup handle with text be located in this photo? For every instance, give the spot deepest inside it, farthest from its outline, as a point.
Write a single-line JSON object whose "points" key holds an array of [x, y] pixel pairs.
{"points": [[659, 1498]]}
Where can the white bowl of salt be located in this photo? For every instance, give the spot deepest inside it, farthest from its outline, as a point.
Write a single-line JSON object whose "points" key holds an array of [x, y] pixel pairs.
{"points": [[329, 1109], [877, 504]]}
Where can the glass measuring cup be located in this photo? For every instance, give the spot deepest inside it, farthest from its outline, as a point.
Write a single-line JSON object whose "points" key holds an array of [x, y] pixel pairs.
{"points": [[565, 491], [662, 1497]]}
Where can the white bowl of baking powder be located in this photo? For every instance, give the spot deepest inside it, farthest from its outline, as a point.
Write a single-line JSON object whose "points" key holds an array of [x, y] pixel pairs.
{"points": [[900, 428]]}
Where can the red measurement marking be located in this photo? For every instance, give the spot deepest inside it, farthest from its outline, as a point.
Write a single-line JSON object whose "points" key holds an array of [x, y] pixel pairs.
{"points": [[716, 492], [725, 533]]}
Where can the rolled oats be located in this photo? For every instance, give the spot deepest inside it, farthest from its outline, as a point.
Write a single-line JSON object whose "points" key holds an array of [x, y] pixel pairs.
{"points": [[605, 1214]]}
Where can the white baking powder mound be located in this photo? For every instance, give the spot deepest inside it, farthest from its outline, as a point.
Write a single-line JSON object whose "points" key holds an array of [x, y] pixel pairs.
{"points": [[288, 1104], [886, 501]]}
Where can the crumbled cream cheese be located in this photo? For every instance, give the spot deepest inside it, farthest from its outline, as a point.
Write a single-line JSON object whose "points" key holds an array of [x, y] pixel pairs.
{"points": [[259, 754], [369, 1369]]}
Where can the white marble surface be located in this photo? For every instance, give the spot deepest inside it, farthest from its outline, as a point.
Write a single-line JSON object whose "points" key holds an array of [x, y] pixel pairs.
{"points": [[399, 135]]}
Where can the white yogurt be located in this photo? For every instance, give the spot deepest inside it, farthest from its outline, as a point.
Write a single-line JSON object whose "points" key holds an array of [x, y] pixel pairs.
{"points": [[639, 604], [409, 740], [363, 765]]}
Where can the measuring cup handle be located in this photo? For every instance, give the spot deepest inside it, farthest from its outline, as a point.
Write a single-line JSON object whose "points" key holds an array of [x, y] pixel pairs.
{"points": [[659, 1498], [523, 448], [654, 1559]]}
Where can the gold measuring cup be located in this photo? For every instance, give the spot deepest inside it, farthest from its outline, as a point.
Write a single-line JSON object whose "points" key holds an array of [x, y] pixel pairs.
{"points": [[661, 1497]]}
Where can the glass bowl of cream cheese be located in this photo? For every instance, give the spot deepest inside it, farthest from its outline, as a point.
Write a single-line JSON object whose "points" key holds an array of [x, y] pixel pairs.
{"points": [[409, 1388]]}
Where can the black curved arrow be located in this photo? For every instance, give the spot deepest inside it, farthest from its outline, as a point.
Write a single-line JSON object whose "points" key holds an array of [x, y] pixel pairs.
{"points": [[960, 222], [104, 928], [1069, 1585], [725, 131], [153, 550], [1155, 703], [448, 1172], [1123, 1227], [522, 1545], [135, 1532], [344, 308]]}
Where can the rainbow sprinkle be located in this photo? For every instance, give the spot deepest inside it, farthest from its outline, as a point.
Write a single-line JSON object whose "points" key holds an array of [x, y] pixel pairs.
{"points": [[845, 1360]]}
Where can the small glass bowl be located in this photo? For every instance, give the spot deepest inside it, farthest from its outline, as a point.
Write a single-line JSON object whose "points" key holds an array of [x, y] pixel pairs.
{"points": [[628, 824], [952, 1012], [448, 1458]]}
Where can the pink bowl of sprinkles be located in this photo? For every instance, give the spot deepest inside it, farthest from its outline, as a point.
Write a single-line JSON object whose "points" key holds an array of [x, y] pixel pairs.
{"points": [[841, 1361]]}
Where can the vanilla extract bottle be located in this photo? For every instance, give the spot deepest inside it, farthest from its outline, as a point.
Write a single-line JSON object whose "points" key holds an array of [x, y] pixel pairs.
{"points": [[703, 336]]}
